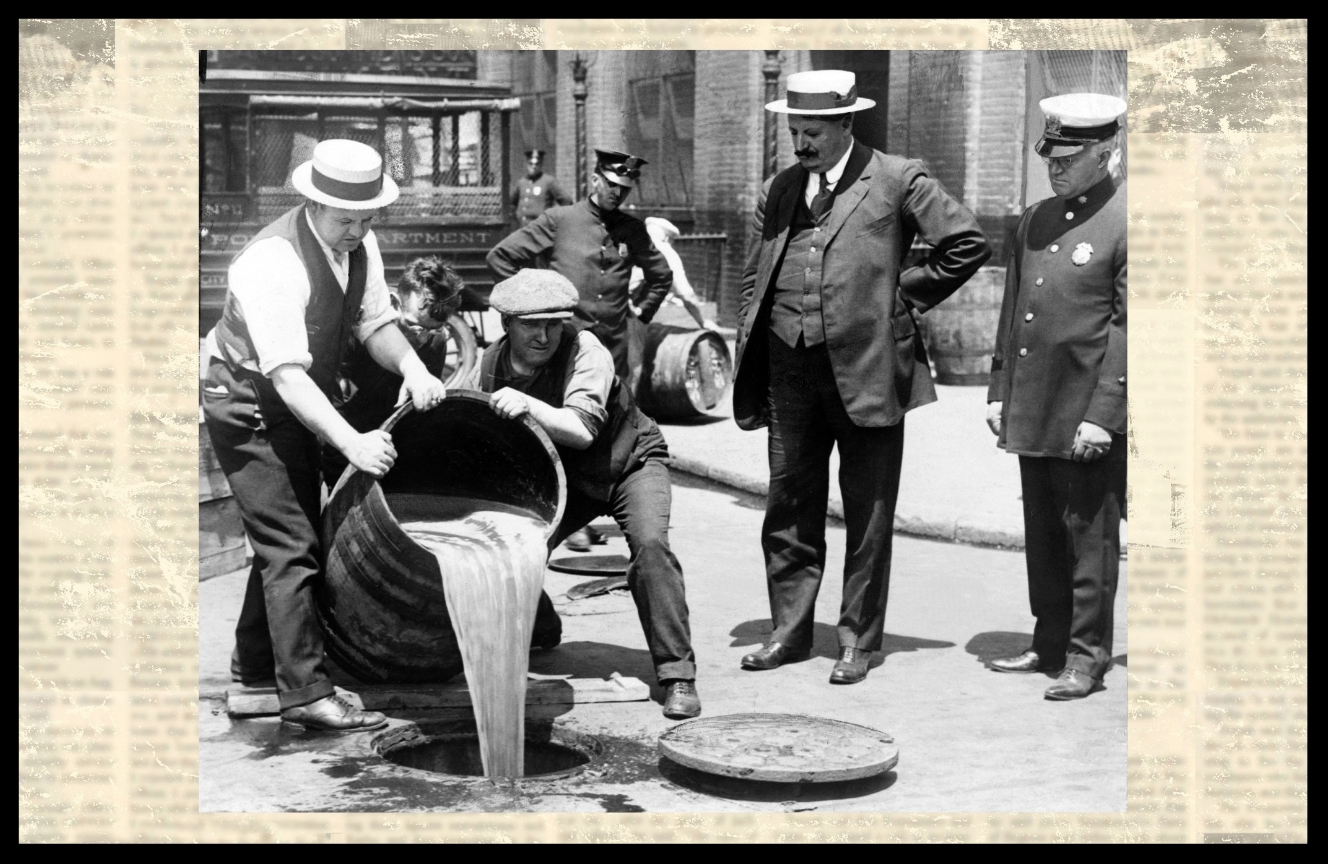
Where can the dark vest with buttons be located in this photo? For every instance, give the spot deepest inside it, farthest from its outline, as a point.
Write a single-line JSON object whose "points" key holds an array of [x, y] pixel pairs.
{"points": [[796, 307], [329, 319], [627, 438]]}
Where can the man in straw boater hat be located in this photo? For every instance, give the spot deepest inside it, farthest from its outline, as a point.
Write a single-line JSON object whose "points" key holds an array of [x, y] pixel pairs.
{"points": [[614, 457], [536, 191], [1057, 394], [829, 355], [301, 290], [595, 245]]}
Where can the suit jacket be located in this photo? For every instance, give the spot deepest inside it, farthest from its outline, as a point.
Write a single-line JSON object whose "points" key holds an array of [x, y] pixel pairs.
{"points": [[1060, 347], [867, 304]]}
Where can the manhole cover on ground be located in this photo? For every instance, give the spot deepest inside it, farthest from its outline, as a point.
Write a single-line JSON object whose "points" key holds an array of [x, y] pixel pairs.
{"points": [[785, 748], [591, 565]]}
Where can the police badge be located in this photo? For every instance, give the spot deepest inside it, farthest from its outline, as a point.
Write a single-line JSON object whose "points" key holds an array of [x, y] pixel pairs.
{"points": [[622, 250], [1081, 254]]}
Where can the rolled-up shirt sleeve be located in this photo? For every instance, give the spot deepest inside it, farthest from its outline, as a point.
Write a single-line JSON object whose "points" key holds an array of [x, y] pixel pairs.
{"points": [[589, 383], [377, 303], [270, 285]]}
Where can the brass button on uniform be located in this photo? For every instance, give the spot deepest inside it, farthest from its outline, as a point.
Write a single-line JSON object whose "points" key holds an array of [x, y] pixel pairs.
{"points": [[1023, 352], [1039, 281], [1055, 247], [1120, 380], [816, 230], [1028, 317], [1069, 215]]}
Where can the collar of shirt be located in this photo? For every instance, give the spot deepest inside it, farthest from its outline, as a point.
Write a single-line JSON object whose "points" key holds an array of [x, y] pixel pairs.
{"points": [[832, 176], [340, 269]]}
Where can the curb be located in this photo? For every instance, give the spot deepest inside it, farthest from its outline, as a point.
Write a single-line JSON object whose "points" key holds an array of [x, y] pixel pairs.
{"points": [[932, 526]]}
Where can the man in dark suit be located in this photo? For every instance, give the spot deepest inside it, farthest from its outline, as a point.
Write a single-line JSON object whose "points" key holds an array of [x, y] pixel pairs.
{"points": [[829, 355], [1057, 395]]}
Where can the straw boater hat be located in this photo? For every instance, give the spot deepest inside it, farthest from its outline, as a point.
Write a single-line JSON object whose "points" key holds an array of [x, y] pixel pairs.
{"points": [[345, 174], [825, 91], [1076, 120]]}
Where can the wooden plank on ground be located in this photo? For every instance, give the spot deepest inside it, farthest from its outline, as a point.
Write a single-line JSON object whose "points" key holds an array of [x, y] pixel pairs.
{"points": [[253, 701]]}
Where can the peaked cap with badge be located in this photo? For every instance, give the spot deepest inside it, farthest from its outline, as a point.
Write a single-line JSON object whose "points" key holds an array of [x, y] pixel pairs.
{"points": [[621, 168], [1076, 120]]}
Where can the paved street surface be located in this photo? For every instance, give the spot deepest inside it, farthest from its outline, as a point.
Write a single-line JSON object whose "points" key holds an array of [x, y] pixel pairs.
{"points": [[969, 739]]}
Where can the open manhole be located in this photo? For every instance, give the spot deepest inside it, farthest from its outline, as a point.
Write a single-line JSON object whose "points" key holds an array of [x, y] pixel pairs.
{"points": [[550, 754]]}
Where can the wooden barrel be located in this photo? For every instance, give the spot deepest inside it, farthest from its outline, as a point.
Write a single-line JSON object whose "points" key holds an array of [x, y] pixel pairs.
{"points": [[684, 372], [381, 601], [961, 331]]}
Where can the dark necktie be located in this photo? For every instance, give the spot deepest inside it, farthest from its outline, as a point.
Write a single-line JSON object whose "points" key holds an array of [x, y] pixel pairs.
{"points": [[821, 202]]}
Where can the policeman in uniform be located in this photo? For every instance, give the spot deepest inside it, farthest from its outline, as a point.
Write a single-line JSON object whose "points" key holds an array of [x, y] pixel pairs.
{"points": [[595, 246], [536, 192], [614, 457], [298, 294], [1057, 395]]}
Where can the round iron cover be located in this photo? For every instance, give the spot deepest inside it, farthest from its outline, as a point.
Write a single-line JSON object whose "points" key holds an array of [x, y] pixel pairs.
{"points": [[591, 565], [784, 748]]}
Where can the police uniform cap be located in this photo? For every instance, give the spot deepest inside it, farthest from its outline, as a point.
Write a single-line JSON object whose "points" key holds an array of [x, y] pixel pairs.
{"points": [[535, 294], [1075, 120], [618, 167]]}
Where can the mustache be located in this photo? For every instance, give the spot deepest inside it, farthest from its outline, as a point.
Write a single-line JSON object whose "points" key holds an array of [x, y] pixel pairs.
{"points": [[801, 154]]}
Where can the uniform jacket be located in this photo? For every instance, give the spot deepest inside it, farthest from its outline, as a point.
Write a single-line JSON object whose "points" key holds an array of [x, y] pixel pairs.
{"points": [[530, 197], [596, 250], [876, 352], [1060, 347]]}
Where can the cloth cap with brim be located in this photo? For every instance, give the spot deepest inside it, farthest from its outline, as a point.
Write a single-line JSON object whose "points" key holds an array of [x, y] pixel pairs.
{"points": [[345, 174], [535, 294], [618, 167], [1076, 120], [820, 93]]}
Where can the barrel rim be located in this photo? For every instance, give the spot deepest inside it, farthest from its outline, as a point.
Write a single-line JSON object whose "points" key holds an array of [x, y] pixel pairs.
{"points": [[479, 397]]}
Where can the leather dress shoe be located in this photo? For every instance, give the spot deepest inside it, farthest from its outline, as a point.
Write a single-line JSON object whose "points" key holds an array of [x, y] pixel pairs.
{"points": [[851, 667], [1029, 661], [773, 656], [333, 714], [681, 700], [578, 541], [1072, 684]]}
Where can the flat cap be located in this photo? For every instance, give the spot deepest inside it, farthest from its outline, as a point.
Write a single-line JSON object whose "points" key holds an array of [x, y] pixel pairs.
{"points": [[535, 294]]}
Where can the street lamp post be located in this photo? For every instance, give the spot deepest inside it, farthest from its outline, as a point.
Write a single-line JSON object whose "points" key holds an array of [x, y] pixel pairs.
{"points": [[771, 70], [579, 97]]}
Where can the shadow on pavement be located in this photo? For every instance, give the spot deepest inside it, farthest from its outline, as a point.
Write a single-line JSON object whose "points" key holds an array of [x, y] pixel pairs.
{"points": [[996, 644], [738, 497], [825, 640], [597, 660], [764, 790]]}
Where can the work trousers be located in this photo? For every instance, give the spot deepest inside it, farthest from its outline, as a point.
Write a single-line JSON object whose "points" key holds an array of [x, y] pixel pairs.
{"points": [[1072, 513], [618, 341], [640, 504], [808, 419], [271, 461]]}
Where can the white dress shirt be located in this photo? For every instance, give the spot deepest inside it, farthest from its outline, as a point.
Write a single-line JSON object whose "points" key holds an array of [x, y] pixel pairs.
{"points": [[270, 283], [832, 177]]}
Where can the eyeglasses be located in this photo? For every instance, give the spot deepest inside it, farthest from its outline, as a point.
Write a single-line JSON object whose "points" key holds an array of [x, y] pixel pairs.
{"points": [[1061, 162]]}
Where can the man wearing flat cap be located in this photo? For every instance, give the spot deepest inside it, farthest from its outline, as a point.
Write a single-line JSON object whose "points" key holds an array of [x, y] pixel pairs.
{"points": [[595, 245], [299, 294], [537, 191], [613, 455], [1057, 394], [828, 355]]}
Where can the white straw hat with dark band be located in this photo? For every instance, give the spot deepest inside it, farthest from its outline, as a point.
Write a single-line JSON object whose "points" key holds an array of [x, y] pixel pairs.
{"points": [[824, 91], [345, 174]]}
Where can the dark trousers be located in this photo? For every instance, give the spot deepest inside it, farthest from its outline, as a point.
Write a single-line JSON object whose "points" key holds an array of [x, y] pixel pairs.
{"points": [[1072, 513], [272, 467], [807, 419], [640, 504], [619, 344]]}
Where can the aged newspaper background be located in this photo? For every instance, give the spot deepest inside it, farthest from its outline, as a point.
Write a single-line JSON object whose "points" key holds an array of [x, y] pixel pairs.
{"points": [[108, 269]]}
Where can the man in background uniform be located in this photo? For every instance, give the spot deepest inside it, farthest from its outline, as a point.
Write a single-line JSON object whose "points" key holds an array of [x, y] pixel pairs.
{"points": [[1057, 395], [595, 245], [537, 191]]}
